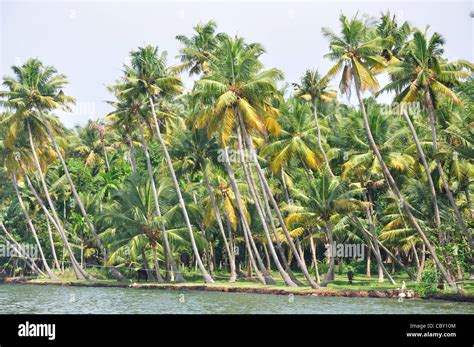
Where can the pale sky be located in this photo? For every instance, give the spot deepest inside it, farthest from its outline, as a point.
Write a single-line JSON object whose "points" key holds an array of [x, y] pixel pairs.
{"points": [[89, 41]]}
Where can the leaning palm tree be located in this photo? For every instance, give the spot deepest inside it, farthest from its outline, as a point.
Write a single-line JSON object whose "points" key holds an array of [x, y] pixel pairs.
{"points": [[239, 96], [149, 76], [424, 76], [194, 148], [39, 88], [356, 53], [35, 160], [315, 90], [133, 109]]}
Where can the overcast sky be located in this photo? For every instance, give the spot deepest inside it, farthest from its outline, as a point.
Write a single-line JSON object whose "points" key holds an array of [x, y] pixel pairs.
{"points": [[90, 41]]}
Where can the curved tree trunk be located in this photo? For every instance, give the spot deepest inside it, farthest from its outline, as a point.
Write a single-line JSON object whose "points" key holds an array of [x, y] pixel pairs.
{"points": [[207, 278], [330, 273], [177, 275], [91, 227], [422, 264], [315, 259], [149, 273], [21, 253], [320, 144], [258, 204], [394, 187], [243, 219], [80, 273], [217, 216], [159, 279], [133, 159], [461, 222], [376, 248], [421, 153], [32, 228], [261, 176], [281, 252], [51, 242]]}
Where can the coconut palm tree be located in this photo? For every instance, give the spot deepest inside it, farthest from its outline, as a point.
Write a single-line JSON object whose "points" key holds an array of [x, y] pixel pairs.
{"points": [[321, 200], [16, 123], [149, 76], [134, 108], [355, 53], [197, 48], [424, 76], [195, 149], [39, 88], [240, 96], [315, 90], [295, 139]]}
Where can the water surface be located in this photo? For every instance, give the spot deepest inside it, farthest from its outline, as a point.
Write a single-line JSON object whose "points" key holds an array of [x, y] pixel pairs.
{"points": [[36, 299]]}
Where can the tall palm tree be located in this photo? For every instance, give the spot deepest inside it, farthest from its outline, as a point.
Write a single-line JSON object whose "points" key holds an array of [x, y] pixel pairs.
{"points": [[355, 53], [133, 108], [16, 123], [424, 76], [39, 88], [194, 147], [315, 90], [240, 95], [149, 76]]}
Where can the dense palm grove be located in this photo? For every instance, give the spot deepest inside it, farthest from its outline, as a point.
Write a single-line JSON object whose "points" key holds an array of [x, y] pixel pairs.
{"points": [[245, 176]]}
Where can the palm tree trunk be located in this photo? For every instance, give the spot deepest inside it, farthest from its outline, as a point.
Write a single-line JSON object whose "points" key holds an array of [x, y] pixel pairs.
{"points": [[21, 252], [159, 279], [149, 273], [320, 144], [461, 222], [315, 259], [395, 189], [330, 273], [422, 263], [207, 278], [91, 227], [370, 246], [217, 216], [177, 275], [369, 258], [131, 147], [51, 242], [281, 252], [32, 228], [421, 153], [258, 204], [261, 176], [80, 273], [245, 226], [376, 248], [415, 255]]}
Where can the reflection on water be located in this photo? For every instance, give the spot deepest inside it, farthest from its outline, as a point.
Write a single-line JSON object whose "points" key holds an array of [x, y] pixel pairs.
{"points": [[26, 299]]}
